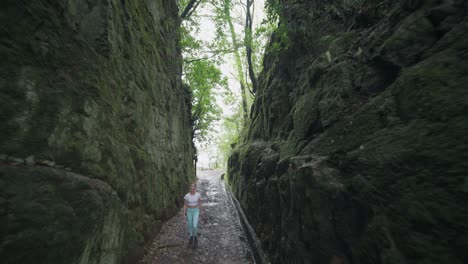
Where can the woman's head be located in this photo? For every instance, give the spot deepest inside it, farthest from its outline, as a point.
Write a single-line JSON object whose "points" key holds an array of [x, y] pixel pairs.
{"points": [[193, 187]]}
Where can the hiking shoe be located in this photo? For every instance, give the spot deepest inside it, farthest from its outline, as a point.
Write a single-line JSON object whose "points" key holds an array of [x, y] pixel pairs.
{"points": [[190, 241], [195, 242]]}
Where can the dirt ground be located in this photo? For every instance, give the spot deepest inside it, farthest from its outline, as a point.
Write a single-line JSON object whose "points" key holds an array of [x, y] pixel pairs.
{"points": [[220, 235]]}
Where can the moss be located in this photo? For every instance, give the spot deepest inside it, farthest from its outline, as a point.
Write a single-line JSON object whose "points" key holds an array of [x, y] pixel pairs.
{"points": [[337, 93], [433, 88], [349, 133], [342, 43], [386, 107], [57, 213], [415, 34], [306, 116], [419, 197], [99, 70]]}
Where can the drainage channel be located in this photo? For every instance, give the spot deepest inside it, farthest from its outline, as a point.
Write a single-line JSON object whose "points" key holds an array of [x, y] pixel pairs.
{"points": [[254, 242]]}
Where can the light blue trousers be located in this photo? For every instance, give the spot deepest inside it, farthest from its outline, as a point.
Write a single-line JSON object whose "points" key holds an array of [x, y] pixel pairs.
{"points": [[192, 220]]}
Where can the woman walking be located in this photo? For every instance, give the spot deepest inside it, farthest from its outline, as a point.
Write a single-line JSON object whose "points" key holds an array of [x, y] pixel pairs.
{"points": [[192, 207]]}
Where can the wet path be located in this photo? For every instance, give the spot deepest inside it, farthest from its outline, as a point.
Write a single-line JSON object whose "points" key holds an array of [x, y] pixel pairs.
{"points": [[221, 239]]}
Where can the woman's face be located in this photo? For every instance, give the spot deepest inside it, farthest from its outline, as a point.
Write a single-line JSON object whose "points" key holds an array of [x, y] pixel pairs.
{"points": [[192, 188]]}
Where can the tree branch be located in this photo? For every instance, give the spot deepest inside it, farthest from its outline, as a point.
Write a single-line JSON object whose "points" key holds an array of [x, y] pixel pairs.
{"points": [[214, 53], [248, 45], [193, 9], [199, 59], [191, 5]]}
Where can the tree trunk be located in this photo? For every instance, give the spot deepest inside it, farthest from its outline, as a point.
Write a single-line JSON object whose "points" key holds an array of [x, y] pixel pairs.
{"points": [[248, 44], [237, 58]]}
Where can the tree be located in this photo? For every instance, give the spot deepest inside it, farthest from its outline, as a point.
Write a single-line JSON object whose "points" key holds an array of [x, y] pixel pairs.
{"points": [[203, 77], [231, 130], [200, 72], [248, 43], [235, 35], [237, 58]]}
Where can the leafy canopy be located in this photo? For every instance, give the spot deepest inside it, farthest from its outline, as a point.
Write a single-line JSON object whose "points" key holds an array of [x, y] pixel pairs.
{"points": [[201, 73], [204, 77], [237, 40]]}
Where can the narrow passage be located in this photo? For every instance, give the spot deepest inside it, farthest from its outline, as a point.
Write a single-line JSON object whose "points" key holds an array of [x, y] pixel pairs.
{"points": [[220, 235]]}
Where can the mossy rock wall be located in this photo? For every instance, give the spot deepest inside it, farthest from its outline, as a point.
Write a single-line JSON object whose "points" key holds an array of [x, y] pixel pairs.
{"points": [[357, 151], [91, 88]]}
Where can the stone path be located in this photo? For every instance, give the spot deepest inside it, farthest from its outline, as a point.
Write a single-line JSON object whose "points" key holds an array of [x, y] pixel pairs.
{"points": [[220, 240]]}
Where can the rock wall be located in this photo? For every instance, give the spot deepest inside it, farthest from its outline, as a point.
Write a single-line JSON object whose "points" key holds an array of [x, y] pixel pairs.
{"points": [[357, 151], [95, 140]]}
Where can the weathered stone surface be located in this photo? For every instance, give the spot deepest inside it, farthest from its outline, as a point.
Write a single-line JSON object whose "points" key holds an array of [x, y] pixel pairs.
{"points": [[366, 161], [94, 87], [48, 215]]}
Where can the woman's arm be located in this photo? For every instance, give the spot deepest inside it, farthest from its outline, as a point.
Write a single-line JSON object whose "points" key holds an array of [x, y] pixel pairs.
{"points": [[199, 204], [185, 207]]}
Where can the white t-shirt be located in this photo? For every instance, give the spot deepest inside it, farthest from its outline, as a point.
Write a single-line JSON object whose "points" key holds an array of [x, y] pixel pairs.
{"points": [[192, 200]]}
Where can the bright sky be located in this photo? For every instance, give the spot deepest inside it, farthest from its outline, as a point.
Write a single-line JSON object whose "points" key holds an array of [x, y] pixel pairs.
{"points": [[208, 154]]}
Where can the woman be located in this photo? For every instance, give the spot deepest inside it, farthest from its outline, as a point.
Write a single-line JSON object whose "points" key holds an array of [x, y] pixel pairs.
{"points": [[192, 206]]}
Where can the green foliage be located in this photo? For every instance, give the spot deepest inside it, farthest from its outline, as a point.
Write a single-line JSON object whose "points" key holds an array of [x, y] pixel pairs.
{"points": [[275, 24], [260, 37], [188, 43], [203, 77], [232, 127], [281, 41], [201, 73], [273, 10], [182, 4]]}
